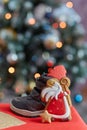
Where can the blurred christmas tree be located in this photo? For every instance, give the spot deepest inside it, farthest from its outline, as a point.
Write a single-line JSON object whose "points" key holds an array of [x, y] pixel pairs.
{"points": [[36, 35]]}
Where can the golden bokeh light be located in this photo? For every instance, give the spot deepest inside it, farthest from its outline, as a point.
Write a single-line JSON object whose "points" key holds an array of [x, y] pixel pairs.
{"points": [[5, 1], [62, 24], [69, 4], [11, 70], [36, 75], [31, 21], [0, 80], [8, 16], [59, 44], [30, 86]]}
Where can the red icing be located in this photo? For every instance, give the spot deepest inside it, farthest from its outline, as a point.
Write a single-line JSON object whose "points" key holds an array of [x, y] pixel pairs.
{"points": [[56, 107], [57, 72]]}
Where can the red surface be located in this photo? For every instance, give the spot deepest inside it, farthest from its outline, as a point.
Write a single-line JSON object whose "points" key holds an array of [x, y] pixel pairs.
{"points": [[35, 123]]}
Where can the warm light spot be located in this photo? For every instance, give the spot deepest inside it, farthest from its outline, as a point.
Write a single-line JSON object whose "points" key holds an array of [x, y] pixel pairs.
{"points": [[62, 25], [59, 44], [69, 4], [32, 84], [37, 75], [55, 25], [8, 16], [0, 80], [5, 1], [31, 21], [11, 70]]}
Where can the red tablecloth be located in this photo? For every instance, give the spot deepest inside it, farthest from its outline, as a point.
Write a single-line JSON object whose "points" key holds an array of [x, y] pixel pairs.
{"points": [[36, 124]]}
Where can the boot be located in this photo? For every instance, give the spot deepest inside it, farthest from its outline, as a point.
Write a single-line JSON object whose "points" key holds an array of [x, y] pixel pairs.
{"points": [[31, 105]]}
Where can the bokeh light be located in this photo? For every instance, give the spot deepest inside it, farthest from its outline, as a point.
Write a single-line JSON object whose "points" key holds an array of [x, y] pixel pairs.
{"points": [[78, 98], [55, 25], [5, 1], [31, 21], [59, 44], [11, 70], [36, 75], [8, 16], [62, 24], [69, 4], [0, 80]]}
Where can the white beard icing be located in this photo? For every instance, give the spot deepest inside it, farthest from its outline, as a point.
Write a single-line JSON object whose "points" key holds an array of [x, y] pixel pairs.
{"points": [[51, 92]]}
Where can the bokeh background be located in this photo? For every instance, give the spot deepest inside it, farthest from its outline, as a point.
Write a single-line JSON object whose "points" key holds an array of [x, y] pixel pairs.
{"points": [[37, 35], [81, 7]]}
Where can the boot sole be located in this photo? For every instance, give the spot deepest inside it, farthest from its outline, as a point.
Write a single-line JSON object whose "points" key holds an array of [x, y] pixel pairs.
{"points": [[25, 112]]}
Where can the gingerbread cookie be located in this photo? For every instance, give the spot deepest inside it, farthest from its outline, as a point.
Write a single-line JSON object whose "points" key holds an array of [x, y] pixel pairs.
{"points": [[57, 105], [56, 94]]}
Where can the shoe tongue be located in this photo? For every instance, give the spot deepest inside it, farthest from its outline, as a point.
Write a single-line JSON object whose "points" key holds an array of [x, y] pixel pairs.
{"points": [[40, 84], [34, 93]]}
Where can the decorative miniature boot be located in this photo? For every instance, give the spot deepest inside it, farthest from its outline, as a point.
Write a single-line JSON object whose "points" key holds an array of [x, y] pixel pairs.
{"points": [[31, 105]]}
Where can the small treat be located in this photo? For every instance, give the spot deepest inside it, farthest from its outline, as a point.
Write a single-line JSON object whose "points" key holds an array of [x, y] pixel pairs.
{"points": [[59, 73], [57, 96]]}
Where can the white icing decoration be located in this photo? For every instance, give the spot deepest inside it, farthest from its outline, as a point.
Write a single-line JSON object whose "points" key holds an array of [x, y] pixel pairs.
{"points": [[51, 92]]}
